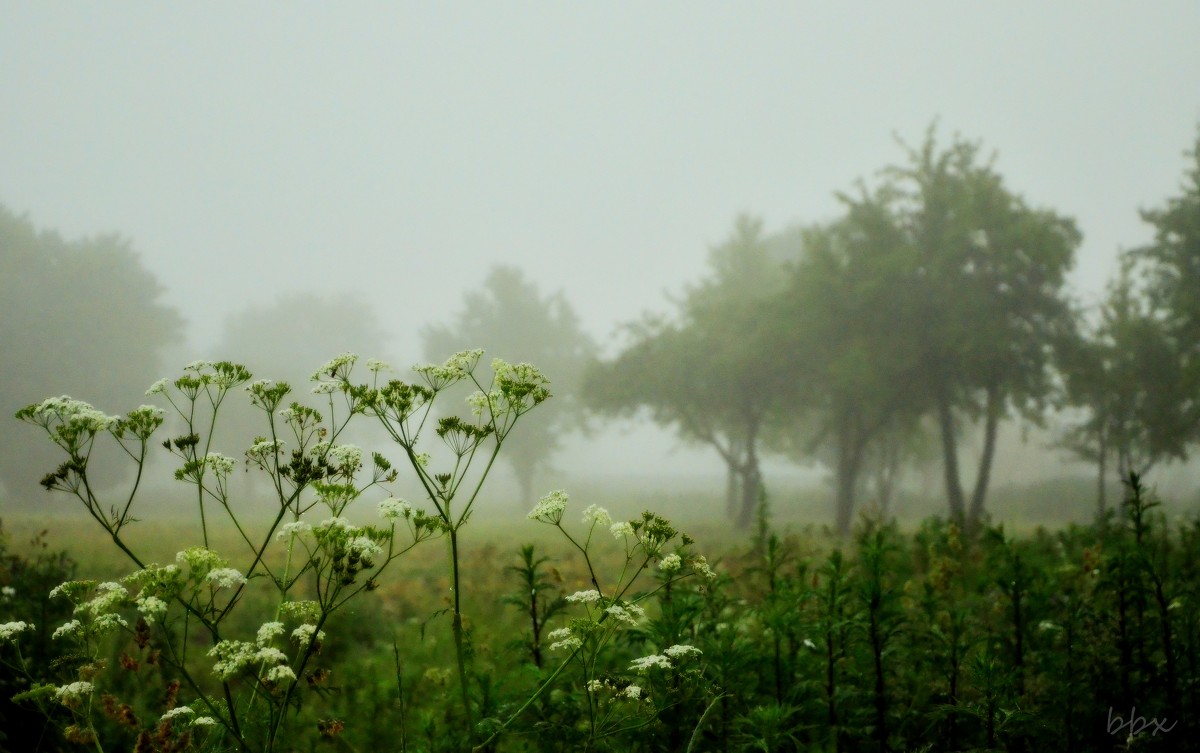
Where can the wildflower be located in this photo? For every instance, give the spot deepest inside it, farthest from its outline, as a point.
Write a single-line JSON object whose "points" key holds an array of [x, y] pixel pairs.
{"points": [[177, 711], [629, 614], [151, 608], [304, 634], [270, 654], [374, 365], [71, 694], [700, 567], [595, 686], [564, 640], [300, 610], [365, 548], [585, 597], [346, 456], [9, 630], [199, 559], [200, 365], [204, 721], [809, 644], [336, 368], [479, 401], [632, 692], [8, 592], [295, 528], [596, 516], [670, 563], [326, 388], [232, 657], [549, 508], [106, 623], [648, 662], [621, 530], [74, 627], [680, 650], [158, 387], [220, 464], [395, 508], [263, 449], [280, 673], [108, 596], [267, 632], [225, 577]]}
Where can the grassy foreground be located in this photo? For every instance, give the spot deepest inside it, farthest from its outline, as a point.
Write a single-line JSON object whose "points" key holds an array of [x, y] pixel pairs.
{"points": [[1087, 638]]}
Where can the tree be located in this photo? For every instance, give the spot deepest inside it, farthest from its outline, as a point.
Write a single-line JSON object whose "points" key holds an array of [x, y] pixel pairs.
{"points": [[713, 372], [1127, 378], [854, 379], [509, 318], [77, 317], [987, 274], [1173, 262]]}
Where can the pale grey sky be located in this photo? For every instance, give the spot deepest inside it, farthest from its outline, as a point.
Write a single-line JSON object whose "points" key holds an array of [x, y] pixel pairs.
{"points": [[399, 149]]}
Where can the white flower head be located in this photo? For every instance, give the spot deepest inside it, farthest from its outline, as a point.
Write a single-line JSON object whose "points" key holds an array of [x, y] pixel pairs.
{"points": [[621, 530], [594, 515], [670, 563], [177, 711], [225, 577], [336, 368], [649, 662], [158, 387], [152, 608], [632, 692], [267, 632], [680, 650], [10, 630], [585, 597], [395, 508], [294, 528], [550, 508]]}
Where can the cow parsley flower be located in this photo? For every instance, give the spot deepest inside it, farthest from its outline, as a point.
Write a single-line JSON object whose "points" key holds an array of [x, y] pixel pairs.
{"points": [[267, 632], [294, 528], [336, 368], [152, 608], [158, 387], [585, 597], [10, 630], [395, 508], [621, 530], [647, 662], [670, 563], [280, 673], [72, 693], [597, 516], [550, 508], [303, 635], [177, 711], [73, 627], [632, 692], [225, 577], [680, 650], [204, 721]]}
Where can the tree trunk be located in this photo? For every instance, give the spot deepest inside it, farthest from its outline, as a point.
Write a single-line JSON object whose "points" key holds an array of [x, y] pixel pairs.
{"points": [[849, 464], [1102, 480], [525, 473], [751, 482], [991, 424], [954, 490], [731, 490]]}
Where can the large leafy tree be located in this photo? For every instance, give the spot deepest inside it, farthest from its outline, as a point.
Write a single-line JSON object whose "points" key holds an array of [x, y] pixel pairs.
{"points": [[510, 318], [986, 273], [852, 404], [80, 317], [711, 371]]}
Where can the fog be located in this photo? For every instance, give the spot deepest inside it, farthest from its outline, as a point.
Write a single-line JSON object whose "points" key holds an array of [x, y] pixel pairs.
{"points": [[396, 152]]}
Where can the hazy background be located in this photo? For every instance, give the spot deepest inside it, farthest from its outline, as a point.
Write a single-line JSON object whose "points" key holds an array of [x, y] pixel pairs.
{"points": [[396, 152]]}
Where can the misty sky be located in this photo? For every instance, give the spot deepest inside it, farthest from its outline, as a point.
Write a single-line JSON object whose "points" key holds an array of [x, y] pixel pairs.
{"points": [[399, 149]]}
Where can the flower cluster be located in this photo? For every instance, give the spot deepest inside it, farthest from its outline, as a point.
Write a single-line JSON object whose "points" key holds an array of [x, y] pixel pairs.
{"points": [[550, 508]]}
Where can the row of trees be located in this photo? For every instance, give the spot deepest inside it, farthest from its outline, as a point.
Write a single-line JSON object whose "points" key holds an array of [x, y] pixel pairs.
{"points": [[935, 304]]}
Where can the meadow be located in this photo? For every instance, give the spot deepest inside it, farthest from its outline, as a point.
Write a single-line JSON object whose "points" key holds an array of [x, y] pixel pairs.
{"points": [[340, 617]]}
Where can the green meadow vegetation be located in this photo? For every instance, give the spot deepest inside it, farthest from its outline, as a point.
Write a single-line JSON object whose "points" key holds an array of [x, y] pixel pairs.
{"points": [[355, 620]]}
